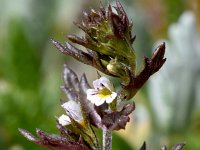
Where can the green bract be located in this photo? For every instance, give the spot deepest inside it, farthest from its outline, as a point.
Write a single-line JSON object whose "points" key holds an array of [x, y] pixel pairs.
{"points": [[107, 39]]}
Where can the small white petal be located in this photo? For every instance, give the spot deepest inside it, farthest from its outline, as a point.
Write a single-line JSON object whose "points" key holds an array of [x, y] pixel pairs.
{"points": [[94, 98], [114, 95], [106, 83], [91, 92], [64, 120], [111, 97], [96, 84], [99, 101]]}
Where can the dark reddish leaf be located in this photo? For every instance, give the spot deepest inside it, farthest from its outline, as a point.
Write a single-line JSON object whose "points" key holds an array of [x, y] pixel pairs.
{"points": [[54, 142]]}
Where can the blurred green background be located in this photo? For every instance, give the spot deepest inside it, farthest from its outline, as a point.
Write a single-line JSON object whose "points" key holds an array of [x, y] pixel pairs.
{"points": [[167, 107]]}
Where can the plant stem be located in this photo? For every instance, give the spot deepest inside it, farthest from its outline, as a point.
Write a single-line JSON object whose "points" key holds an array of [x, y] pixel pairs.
{"points": [[107, 139]]}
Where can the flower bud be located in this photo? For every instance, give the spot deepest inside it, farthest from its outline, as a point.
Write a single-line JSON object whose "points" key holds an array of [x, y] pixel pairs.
{"points": [[119, 70]]}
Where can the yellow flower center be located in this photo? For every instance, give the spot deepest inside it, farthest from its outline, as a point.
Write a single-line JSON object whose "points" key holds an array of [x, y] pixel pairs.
{"points": [[82, 122], [104, 93]]}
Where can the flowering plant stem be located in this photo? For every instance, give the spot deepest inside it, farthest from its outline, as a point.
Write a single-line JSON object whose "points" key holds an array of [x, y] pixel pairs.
{"points": [[107, 139], [108, 40]]}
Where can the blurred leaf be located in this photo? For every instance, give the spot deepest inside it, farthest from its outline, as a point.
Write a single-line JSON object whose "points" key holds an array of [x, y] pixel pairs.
{"points": [[120, 143], [24, 65], [21, 103], [174, 9]]}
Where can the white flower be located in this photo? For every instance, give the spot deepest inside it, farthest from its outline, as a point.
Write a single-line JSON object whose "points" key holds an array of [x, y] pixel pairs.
{"points": [[103, 92], [72, 109], [64, 120]]}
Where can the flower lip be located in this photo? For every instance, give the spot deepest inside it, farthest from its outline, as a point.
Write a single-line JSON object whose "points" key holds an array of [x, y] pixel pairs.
{"points": [[72, 109], [103, 92]]}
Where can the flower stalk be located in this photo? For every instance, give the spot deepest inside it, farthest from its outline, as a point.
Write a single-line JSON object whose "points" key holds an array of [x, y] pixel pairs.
{"points": [[107, 139]]}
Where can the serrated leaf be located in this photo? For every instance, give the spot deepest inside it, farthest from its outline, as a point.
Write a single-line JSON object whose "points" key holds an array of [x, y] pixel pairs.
{"points": [[115, 120]]}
